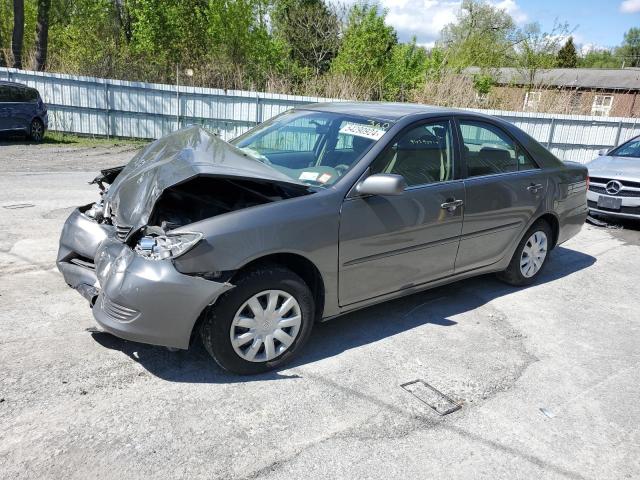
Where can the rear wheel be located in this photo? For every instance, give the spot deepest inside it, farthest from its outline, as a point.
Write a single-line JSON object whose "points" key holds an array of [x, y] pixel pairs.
{"points": [[260, 324], [36, 132], [530, 255]]}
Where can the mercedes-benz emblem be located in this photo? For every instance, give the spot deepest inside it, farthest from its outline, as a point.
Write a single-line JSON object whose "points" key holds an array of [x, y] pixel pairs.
{"points": [[613, 187]]}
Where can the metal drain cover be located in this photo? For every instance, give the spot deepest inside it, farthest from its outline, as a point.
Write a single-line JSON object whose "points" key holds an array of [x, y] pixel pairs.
{"points": [[437, 400]]}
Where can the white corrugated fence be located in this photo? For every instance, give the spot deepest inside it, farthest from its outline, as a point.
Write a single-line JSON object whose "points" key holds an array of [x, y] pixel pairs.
{"points": [[98, 106]]}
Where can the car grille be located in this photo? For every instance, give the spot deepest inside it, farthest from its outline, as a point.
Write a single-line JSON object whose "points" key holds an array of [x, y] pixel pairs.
{"points": [[621, 193], [629, 189], [118, 312], [623, 209], [122, 231], [604, 181]]}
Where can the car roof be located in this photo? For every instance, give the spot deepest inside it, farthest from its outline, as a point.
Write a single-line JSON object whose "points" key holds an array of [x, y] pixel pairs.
{"points": [[15, 84], [381, 110]]}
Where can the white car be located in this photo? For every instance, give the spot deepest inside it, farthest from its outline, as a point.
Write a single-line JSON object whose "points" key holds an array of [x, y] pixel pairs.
{"points": [[614, 182]]}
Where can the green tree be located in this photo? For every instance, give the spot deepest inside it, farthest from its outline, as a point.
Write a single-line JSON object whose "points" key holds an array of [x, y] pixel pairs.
{"points": [[599, 59], [483, 35], [3, 61], [42, 33], [567, 56], [311, 31], [406, 70], [537, 50], [238, 32], [630, 48], [367, 44], [18, 33]]}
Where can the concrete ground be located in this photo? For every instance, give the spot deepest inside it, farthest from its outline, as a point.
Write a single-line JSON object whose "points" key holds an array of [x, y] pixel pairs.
{"points": [[80, 404]]}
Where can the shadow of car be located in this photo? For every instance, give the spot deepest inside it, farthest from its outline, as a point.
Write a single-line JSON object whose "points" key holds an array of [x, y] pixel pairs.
{"points": [[437, 307]]}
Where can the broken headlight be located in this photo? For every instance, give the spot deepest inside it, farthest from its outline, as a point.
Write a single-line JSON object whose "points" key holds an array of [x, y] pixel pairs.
{"points": [[170, 245]]}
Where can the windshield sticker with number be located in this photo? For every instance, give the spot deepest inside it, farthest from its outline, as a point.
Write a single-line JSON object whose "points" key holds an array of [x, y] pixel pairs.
{"points": [[309, 176], [359, 130]]}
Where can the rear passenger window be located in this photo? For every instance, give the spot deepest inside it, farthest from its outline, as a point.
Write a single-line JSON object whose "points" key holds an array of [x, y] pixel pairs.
{"points": [[5, 93], [16, 94], [422, 155], [488, 150], [31, 95]]}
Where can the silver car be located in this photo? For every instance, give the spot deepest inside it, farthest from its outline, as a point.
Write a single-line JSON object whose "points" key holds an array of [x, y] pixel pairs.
{"points": [[318, 212], [614, 182]]}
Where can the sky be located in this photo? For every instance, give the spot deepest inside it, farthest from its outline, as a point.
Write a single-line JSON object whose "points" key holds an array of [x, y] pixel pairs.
{"points": [[595, 23]]}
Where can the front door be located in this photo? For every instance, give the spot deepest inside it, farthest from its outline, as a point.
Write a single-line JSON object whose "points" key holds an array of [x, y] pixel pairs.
{"points": [[390, 243], [504, 190]]}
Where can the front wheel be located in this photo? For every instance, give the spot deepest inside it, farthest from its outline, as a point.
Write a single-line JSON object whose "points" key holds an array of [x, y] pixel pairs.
{"points": [[261, 323], [36, 132], [530, 255]]}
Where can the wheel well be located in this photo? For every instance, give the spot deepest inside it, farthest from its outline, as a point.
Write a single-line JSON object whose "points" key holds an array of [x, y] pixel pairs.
{"points": [[554, 224], [298, 264]]}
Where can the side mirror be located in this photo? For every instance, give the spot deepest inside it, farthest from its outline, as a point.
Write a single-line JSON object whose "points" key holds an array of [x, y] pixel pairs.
{"points": [[382, 184], [602, 152]]}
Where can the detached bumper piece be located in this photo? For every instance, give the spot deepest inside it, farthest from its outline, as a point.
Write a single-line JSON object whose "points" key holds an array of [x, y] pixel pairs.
{"points": [[133, 298]]}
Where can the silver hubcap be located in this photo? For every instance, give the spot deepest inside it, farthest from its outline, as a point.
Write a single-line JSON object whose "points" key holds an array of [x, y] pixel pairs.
{"points": [[265, 326], [533, 254]]}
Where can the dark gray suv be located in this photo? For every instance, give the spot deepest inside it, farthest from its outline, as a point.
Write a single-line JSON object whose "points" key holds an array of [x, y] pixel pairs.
{"points": [[22, 111], [318, 212]]}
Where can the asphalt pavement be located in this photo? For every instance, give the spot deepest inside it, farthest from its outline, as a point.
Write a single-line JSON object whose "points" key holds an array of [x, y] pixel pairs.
{"points": [[547, 377]]}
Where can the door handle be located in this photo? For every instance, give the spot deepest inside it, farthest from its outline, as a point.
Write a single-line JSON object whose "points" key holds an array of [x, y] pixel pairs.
{"points": [[535, 187], [451, 205]]}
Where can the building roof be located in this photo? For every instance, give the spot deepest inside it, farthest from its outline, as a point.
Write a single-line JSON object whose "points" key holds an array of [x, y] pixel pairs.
{"points": [[591, 78]]}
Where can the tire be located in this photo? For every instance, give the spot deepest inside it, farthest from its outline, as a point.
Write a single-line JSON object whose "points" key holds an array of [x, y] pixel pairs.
{"points": [[520, 276], [221, 321], [36, 131]]}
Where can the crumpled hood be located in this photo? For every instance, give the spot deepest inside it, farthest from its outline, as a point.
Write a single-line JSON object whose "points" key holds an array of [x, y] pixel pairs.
{"points": [[615, 167], [174, 159]]}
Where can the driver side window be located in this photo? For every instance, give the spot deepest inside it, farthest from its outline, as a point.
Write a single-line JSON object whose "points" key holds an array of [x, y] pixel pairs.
{"points": [[422, 155]]}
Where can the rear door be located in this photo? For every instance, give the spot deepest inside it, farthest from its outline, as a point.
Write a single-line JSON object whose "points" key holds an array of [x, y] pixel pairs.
{"points": [[391, 243], [504, 187], [5, 97], [17, 110]]}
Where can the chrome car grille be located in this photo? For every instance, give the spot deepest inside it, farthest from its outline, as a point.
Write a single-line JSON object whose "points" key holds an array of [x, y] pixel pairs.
{"points": [[621, 193], [627, 188], [122, 231], [118, 312]]}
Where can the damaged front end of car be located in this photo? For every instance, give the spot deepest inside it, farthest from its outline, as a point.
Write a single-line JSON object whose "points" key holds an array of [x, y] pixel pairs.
{"points": [[118, 252]]}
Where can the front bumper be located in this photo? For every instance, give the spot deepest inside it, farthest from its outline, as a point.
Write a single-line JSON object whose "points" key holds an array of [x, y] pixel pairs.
{"points": [[133, 298], [630, 207]]}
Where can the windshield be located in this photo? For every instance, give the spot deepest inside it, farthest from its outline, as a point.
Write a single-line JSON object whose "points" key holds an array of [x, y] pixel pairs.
{"points": [[315, 148], [629, 149]]}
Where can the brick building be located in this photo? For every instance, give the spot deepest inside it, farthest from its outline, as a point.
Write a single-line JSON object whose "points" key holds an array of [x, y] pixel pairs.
{"points": [[583, 91]]}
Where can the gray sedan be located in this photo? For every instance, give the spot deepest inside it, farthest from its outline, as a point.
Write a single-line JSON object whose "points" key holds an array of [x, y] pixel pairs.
{"points": [[320, 211], [614, 182]]}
